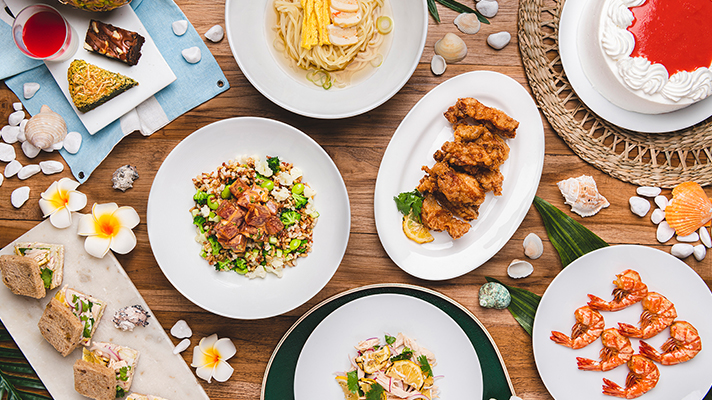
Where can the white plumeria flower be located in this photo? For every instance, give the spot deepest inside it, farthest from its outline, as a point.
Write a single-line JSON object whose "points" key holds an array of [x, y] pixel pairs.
{"points": [[210, 358], [108, 227], [59, 200]]}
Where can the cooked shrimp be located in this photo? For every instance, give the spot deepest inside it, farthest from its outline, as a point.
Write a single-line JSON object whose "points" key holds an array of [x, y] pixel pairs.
{"points": [[643, 376], [683, 345], [588, 327], [616, 350], [658, 314], [629, 290]]}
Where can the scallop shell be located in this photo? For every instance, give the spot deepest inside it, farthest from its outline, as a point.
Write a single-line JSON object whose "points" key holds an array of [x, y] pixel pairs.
{"points": [[689, 209], [533, 246], [45, 128], [438, 65], [519, 269], [451, 48], [582, 195], [467, 23]]}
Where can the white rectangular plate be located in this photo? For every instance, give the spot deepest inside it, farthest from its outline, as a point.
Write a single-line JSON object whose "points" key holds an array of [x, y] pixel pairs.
{"points": [[159, 371], [152, 72]]}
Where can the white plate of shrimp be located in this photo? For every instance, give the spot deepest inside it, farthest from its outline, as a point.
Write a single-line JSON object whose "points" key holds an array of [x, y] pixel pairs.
{"points": [[684, 308]]}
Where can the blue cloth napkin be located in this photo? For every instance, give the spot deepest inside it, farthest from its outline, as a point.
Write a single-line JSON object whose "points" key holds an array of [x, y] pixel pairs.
{"points": [[194, 84]]}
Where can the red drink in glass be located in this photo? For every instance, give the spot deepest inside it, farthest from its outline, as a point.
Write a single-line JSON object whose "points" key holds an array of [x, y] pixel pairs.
{"points": [[41, 32]]}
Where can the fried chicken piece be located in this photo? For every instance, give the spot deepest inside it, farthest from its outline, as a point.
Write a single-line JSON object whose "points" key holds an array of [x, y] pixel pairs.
{"points": [[491, 180], [468, 213], [458, 187], [488, 150], [468, 133], [436, 218], [502, 123]]}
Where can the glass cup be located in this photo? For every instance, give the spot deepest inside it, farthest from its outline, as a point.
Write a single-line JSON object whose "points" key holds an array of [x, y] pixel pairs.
{"points": [[42, 33]]}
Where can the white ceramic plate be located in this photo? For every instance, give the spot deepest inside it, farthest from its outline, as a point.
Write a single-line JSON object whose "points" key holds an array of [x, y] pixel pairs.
{"points": [[172, 233], [419, 135], [328, 347], [248, 29], [647, 123], [152, 72], [593, 273]]}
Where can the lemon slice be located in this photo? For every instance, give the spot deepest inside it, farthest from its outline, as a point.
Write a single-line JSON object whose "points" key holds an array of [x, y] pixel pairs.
{"points": [[365, 385], [374, 361], [408, 371], [416, 231], [343, 382]]}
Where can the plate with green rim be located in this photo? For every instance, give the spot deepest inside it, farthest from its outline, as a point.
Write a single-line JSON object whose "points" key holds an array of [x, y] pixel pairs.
{"points": [[279, 377]]}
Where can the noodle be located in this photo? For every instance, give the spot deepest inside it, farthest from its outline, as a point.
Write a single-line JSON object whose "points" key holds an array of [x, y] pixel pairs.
{"points": [[341, 62]]}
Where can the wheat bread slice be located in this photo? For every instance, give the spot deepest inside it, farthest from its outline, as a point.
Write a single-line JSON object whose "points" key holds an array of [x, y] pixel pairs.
{"points": [[95, 381], [22, 276], [60, 327], [50, 256]]}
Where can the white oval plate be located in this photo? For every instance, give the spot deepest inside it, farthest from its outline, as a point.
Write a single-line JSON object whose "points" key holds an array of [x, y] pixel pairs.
{"points": [[593, 273], [251, 41], [171, 230], [419, 135], [332, 342], [647, 123]]}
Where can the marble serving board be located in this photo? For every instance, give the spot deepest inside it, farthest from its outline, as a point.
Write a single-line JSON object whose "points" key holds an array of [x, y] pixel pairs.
{"points": [[159, 372]]}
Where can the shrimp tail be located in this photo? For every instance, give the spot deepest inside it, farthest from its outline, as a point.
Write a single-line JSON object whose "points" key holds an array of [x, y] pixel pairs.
{"points": [[586, 364], [598, 303], [561, 338], [629, 330], [649, 351], [611, 388]]}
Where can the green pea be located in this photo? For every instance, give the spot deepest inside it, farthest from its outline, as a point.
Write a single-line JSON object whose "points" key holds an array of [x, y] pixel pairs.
{"points": [[294, 244], [298, 188], [226, 194], [267, 184], [212, 203]]}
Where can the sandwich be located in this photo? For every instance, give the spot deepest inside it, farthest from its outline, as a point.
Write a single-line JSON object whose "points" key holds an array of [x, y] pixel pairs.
{"points": [[137, 396], [105, 371], [70, 319], [22, 276], [49, 257]]}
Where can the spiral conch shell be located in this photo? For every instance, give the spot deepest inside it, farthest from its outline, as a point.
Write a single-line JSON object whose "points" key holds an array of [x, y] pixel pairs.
{"points": [[582, 195], [46, 128], [689, 209], [451, 48]]}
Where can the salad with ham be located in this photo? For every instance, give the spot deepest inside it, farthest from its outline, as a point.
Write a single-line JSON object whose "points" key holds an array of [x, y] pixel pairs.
{"points": [[397, 368]]}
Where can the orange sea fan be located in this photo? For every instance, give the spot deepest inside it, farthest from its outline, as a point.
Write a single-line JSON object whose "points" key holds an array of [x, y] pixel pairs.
{"points": [[689, 209]]}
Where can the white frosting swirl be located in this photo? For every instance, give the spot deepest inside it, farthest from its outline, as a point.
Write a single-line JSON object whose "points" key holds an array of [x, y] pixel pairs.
{"points": [[695, 85], [639, 74], [617, 43]]}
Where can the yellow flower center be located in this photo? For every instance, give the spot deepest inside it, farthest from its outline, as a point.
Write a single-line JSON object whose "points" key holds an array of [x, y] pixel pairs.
{"points": [[107, 225], [59, 199]]}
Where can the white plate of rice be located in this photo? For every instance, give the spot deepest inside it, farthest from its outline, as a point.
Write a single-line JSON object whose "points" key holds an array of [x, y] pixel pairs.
{"points": [[172, 234]]}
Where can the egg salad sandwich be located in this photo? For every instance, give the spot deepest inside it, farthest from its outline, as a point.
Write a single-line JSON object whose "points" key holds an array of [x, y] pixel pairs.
{"points": [[49, 257], [22, 276], [105, 371], [70, 319]]}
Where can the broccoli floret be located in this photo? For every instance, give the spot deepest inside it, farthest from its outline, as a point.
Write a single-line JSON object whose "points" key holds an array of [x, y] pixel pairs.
{"points": [[273, 163], [290, 217], [201, 197], [214, 244], [240, 266], [299, 200], [223, 265]]}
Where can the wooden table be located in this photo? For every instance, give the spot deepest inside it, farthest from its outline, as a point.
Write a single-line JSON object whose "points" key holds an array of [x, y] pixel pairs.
{"points": [[356, 145]]}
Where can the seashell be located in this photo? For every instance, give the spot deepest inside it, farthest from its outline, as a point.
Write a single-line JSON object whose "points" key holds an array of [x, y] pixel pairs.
{"points": [[180, 27], [181, 346], [10, 133], [19, 196], [181, 330], [519, 269], [29, 89], [689, 209], [7, 152], [468, 23], [30, 150], [451, 48], [664, 233], [21, 136], [73, 142], [494, 295], [691, 238], [657, 216], [191, 54], [45, 128], [15, 118], [27, 171], [499, 40], [17, 106], [488, 8], [438, 65], [705, 237], [51, 167], [648, 191], [582, 195], [130, 317], [12, 168], [699, 251], [661, 201], [682, 250], [124, 177], [639, 206], [533, 247], [215, 34]]}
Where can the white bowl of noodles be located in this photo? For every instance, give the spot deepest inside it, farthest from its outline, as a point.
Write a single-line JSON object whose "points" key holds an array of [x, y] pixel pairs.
{"points": [[259, 51]]}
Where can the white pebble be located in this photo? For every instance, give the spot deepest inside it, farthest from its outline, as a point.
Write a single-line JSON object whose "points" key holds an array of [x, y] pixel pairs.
{"points": [[27, 171], [498, 40], [19, 196], [705, 237], [693, 237], [661, 201], [51, 167], [657, 216], [7, 152], [12, 168], [30, 150], [191, 54], [180, 27], [17, 106], [10, 133], [180, 347], [15, 118], [488, 8], [515, 398], [682, 250], [29, 89], [699, 251], [639, 206], [72, 142], [648, 191], [215, 34], [181, 330], [665, 232], [21, 136], [2, 178]]}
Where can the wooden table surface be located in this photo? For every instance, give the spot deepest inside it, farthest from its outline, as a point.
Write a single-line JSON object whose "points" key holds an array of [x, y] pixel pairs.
{"points": [[356, 145]]}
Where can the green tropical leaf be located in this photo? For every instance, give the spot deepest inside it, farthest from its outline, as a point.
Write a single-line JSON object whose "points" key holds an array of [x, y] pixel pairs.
{"points": [[454, 5], [523, 306], [433, 9], [18, 381]]}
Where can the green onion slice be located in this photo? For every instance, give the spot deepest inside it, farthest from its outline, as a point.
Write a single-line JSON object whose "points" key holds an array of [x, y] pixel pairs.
{"points": [[320, 78], [384, 24], [377, 61]]}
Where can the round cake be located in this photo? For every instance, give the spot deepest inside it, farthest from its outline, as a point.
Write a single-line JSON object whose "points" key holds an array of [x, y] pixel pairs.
{"points": [[648, 56]]}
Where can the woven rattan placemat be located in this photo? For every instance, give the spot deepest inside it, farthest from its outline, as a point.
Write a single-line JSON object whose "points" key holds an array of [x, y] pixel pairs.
{"points": [[645, 159]]}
